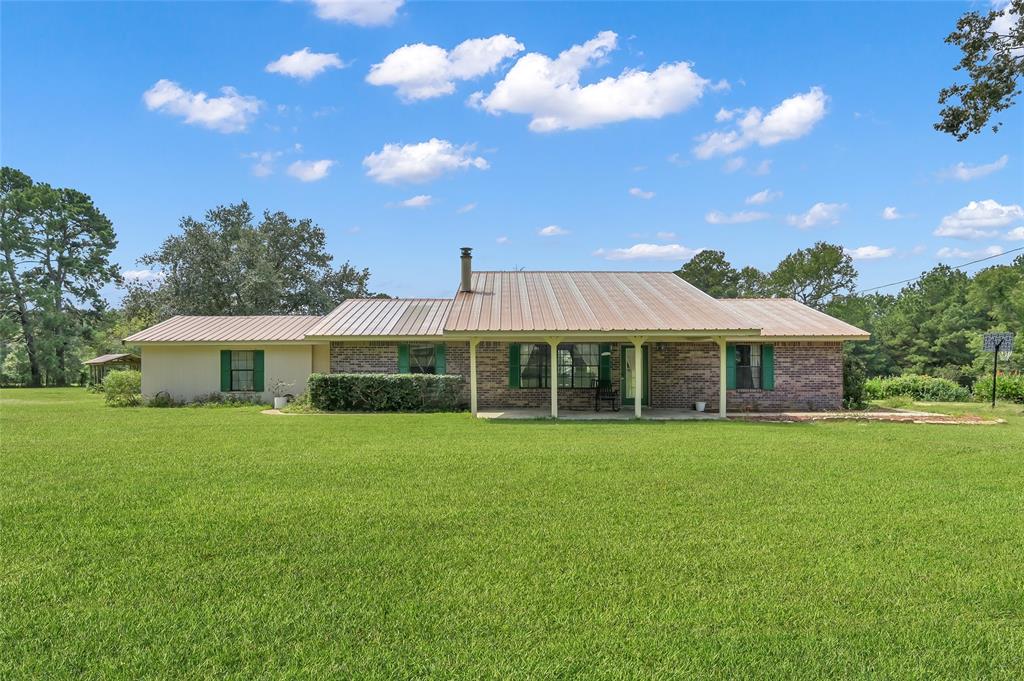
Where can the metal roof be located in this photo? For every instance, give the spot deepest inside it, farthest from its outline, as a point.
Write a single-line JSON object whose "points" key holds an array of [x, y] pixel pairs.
{"points": [[379, 317], [588, 301], [186, 329], [787, 317], [103, 359]]}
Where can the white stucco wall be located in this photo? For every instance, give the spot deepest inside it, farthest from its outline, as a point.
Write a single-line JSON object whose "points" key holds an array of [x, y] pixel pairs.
{"points": [[188, 371]]}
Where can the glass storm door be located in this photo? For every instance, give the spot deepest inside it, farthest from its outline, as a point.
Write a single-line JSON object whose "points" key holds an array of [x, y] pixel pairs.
{"points": [[629, 375]]}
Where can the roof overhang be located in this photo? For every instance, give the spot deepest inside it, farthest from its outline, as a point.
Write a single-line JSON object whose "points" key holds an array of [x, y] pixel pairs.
{"points": [[622, 334]]}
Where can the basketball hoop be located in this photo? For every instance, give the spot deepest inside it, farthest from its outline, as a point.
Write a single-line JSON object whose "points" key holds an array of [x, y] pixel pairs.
{"points": [[1001, 346]]}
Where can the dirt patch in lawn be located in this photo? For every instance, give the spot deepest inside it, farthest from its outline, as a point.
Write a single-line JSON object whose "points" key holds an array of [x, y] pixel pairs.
{"points": [[893, 415]]}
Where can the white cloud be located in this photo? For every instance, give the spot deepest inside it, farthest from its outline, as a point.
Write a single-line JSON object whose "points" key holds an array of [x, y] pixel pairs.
{"points": [[648, 252], [549, 90], [1016, 234], [789, 120], [869, 252], [310, 171], [465, 208], [420, 201], [762, 197], [139, 276], [677, 159], [947, 252], [640, 193], [552, 230], [423, 71], [716, 217], [724, 115], [966, 172], [231, 112], [890, 213], [264, 164], [666, 236], [420, 162], [358, 12], [304, 64], [818, 213], [978, 219], [763, 168], [733, 164], [502, 240]]}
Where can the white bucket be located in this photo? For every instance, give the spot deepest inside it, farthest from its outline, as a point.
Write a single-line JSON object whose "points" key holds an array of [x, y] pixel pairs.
{"points": [[700, 405], [280, 402]]}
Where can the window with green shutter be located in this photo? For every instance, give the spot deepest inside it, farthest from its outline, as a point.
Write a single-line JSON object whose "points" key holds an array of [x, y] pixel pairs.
{"points": [[604, 369], [513, 365], [241, 371], [767, 367], [730, 366], [440, 359], [225, 371], [403, 358]]}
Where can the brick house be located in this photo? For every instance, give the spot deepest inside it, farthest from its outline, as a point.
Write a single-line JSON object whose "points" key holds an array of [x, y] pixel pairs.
{"points": [[529, 340]]}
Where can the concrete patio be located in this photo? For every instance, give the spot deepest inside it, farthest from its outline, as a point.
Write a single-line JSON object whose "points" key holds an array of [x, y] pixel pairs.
{"points": [[603, 415]]}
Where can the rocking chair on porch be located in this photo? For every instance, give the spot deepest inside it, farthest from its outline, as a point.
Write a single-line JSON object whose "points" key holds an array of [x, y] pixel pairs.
{"points": [[604, 391]]}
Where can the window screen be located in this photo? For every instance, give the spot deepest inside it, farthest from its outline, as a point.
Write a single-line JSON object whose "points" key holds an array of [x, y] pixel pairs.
{"points": [[242, 369], [422, 359]]}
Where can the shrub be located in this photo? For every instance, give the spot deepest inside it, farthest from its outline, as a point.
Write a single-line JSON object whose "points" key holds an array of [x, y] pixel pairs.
{"points": [[227, 400], [853, 382], [163, 399], [123, 388], [1008, 387], [385, 392], [917, 387]]}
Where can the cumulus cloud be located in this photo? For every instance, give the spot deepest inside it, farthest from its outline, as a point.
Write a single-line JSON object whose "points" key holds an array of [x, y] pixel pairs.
{"points": [[717, 217], [947, 252], [140, 276], [789, 120], [420, 201], [231, 112], [310, 171], [979, 219], [819, 213], [549, 90], [304, 64], [890, 213], [762, 197], [648, 252], [465, 208], [966, 172], [869, 252], [358, 12], [1016, 234], [423, 71], [552, 230], [640, 193], [420, 162], [264, 162]]}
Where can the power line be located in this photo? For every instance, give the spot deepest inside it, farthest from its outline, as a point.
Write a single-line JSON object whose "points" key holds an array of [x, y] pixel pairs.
{"points": [[955, 267]]}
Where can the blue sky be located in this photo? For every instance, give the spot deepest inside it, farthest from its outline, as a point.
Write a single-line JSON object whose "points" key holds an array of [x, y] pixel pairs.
{"points": [[845, 97]]}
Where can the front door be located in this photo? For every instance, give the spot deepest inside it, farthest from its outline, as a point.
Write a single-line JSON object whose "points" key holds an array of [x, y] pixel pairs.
{"points": [[629, 375]]}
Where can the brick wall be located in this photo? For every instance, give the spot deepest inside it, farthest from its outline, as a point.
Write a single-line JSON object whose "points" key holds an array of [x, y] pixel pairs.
{"points": [[379, 357], [808, 376]]}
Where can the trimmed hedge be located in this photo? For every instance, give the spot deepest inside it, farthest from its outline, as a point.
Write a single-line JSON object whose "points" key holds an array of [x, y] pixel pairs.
{"points": [[918, 387], [385, 392], [1008, 387]]}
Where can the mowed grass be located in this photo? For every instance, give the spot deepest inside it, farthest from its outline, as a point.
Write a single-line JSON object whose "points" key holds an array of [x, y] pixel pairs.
{"points": [[149, 543]]}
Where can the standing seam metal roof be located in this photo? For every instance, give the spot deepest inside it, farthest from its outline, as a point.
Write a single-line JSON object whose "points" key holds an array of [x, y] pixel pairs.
{"points": [[587, 301], [787, 317], [385, 317], [183, 329]]}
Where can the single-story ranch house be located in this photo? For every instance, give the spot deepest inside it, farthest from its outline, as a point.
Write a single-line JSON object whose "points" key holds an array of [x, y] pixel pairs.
{"points": [[541, 340]]}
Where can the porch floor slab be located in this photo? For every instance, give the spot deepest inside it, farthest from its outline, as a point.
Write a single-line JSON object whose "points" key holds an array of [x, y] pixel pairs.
{"points": [[626, 414]]}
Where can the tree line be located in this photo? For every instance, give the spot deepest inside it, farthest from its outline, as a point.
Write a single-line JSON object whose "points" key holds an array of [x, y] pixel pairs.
{"points": [[933, 325]]}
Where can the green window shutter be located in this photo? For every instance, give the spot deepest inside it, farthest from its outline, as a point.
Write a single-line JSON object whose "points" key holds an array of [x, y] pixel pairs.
{"points": [[730, 367], [604, 365], [403, 358], [225, 371], [768, 367], [257, 371], [440, 359], [513, 365]]}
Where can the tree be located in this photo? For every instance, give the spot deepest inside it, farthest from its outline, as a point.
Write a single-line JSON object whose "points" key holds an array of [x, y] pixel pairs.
{"points": [[711, 273], [227, 264], [869, 313], [993, 57], [813, 275], [56, 248]]}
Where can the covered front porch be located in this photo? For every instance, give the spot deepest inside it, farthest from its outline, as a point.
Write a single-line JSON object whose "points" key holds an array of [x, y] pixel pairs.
{"points": [[527, 377]]}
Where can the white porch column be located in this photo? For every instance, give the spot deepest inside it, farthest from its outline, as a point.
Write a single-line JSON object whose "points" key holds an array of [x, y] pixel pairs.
{"points": [[553, 343], [472, 375], [721, 377], [638, 374]]}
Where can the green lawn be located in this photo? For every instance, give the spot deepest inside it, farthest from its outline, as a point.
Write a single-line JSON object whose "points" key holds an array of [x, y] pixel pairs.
{"points": [[222, 542]]}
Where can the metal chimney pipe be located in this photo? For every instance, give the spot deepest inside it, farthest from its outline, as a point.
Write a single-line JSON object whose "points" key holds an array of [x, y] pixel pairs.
{"points": [[467, 270]]}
